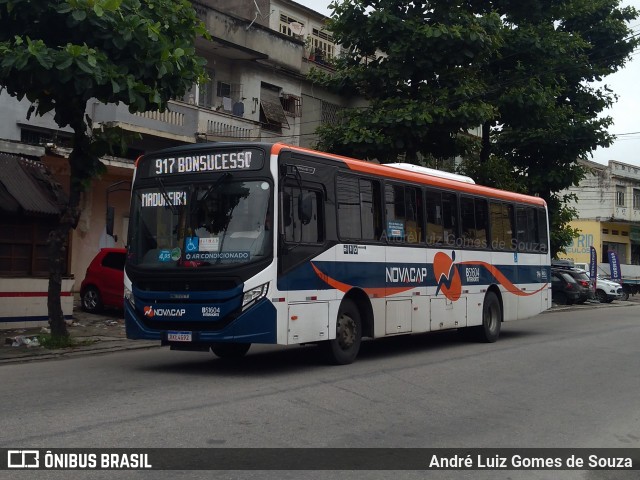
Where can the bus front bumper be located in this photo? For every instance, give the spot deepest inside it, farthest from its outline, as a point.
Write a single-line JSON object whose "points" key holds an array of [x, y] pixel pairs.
{"points": [[255, 325]]}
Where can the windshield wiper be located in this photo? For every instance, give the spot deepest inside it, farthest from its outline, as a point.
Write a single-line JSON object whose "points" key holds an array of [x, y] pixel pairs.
{"points": [[215, 185], [210, 190], [165, 195]]}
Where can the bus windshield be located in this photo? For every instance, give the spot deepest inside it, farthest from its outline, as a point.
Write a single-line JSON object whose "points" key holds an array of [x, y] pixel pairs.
{"points": [[221, 222]]}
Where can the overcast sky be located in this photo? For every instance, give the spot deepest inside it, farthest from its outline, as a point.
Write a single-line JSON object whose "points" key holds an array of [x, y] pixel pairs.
{"points": [[625, 113]]}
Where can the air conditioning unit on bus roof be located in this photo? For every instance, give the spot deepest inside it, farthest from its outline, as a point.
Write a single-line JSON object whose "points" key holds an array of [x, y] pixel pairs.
{"points": [[430, 171]]}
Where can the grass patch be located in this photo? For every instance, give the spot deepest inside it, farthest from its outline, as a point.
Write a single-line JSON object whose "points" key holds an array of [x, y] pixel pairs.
{"points": [[53, 342]]}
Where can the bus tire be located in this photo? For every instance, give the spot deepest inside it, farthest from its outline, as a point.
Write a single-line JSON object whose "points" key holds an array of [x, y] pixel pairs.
{"points": [[344, 349], [230, 350], [489, 331]]}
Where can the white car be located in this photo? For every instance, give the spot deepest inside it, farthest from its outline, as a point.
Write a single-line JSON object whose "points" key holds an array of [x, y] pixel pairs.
{"points": [[607, 291]]}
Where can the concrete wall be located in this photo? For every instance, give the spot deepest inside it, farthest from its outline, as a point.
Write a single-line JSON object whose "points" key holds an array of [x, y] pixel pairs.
{"points": [[24, 302]]}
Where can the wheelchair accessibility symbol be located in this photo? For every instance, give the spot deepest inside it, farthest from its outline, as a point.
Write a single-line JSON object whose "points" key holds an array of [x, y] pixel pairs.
{"points": [[192, 244]]}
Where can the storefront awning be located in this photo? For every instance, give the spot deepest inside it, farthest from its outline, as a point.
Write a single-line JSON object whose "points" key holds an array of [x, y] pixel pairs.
{"points": [[27, 187]]}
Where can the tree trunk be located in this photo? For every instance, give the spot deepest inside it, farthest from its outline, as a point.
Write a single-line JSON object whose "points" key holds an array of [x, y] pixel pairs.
{"points": [[80, 163]]}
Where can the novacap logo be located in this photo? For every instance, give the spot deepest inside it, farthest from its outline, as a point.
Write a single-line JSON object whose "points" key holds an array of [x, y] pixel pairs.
{"points": [[149, 311], [447, 275]]}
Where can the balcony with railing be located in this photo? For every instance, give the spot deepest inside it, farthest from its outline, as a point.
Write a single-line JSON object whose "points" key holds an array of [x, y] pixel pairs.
{"points": [[182, 122]]}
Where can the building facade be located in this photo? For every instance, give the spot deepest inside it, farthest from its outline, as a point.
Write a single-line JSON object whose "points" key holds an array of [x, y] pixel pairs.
{"points": [[608, 206], [258, 62]]}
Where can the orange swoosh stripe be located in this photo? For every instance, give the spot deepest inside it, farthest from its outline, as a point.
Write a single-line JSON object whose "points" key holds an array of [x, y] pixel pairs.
{"points": [[343, 287], [504, 281]]}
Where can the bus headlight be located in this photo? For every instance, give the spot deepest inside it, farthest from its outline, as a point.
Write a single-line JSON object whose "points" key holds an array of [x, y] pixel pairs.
{"points": [[252, 296], [128, 296]]}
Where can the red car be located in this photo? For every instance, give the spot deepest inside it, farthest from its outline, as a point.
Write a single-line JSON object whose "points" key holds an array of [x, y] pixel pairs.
{"points": [[103, 284]]}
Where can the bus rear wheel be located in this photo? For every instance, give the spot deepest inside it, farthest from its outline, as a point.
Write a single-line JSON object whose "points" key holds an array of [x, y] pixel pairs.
{"points": [[230, 350], [489, 331], [345, 347]]}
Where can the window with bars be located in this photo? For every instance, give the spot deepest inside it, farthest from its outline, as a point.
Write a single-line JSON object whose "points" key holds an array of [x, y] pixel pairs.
{"points": [[322, 43], [636, 198], [285, 25], [206, 97], [620, 196], [291, 104], [330, 113], [23, 247]]}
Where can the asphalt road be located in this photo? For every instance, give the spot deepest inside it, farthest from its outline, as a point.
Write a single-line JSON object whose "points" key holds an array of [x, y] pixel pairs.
{"points": [[562, 379]]}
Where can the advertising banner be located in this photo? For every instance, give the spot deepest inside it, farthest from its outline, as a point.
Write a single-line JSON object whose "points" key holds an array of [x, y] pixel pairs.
{"points": [[614, 265], [593, 266]]}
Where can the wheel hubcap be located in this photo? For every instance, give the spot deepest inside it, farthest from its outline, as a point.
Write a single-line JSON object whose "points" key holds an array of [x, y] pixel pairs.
{"points": [[90, 299], [346, 331]]}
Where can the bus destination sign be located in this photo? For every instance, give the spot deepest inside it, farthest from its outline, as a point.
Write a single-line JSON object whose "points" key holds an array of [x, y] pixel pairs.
{"points": [[209, 162]]}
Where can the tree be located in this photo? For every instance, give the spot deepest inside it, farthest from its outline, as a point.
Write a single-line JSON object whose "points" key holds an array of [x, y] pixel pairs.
{"points": [[523, 70], [417, 64], [61, 54], [548, 112]]}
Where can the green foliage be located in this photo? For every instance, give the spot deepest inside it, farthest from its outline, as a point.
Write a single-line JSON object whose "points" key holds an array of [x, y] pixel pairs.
{"points": [[560, 216], [60, 54], [56, 342], [549, 115], [521, 69], [496, 172], [417, 66]]}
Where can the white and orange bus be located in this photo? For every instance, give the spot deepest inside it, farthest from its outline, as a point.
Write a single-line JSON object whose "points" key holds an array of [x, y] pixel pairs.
{"points": [[232, 244]]}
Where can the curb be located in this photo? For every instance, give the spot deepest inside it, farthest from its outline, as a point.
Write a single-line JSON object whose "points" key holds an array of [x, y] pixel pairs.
{"points": [[100, 347], [615, 303]]}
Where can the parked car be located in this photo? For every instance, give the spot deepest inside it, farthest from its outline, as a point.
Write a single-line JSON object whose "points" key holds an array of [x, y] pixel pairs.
{"points": [[564, 289], [103, 284], [585, 286], [607, 291]]}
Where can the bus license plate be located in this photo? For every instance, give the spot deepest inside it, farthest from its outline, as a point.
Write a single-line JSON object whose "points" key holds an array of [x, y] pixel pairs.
{"points": [[179, 336]]}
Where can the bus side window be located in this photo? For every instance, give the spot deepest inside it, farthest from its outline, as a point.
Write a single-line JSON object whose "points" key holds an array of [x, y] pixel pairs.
{"points": [[473, 222], [395, 213], [467, 221], [370, 210], [415, 214], [527, 228], [359, 210], [302, 211], [434, 232], [482, 223], [543, 234], [449, 217], [404, 213], [502, 229]]}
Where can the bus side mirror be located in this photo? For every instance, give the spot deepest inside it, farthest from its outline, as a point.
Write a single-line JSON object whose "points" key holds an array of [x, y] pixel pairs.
{"points": [[109, 220], [305, 208]]}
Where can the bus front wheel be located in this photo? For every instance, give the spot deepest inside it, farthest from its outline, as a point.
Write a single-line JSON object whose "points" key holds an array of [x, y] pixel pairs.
{"points": [[230, 350], [345, 347]]}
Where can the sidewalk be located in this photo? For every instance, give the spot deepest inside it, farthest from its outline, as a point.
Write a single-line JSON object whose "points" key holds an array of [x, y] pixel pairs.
{"points": [[103, 332]]}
